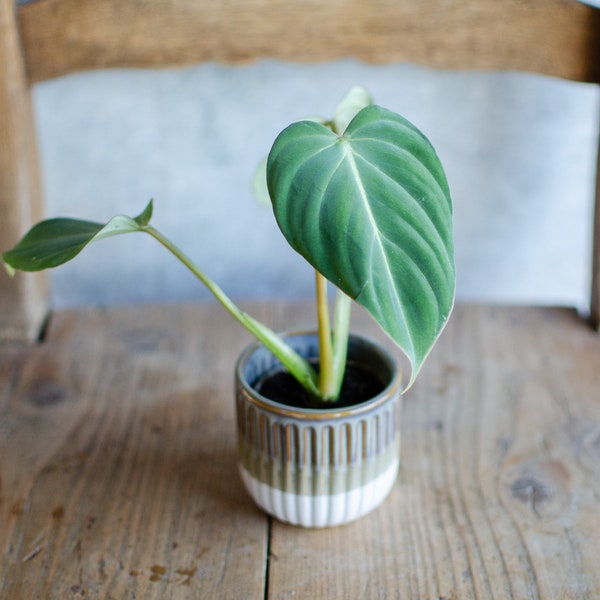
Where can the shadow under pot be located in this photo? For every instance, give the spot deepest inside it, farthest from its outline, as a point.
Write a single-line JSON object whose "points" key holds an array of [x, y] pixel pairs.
{"points": [[318, 467]]}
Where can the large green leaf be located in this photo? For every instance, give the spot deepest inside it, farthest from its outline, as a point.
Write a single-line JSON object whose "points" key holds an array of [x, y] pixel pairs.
{"points": [[371, 210]]}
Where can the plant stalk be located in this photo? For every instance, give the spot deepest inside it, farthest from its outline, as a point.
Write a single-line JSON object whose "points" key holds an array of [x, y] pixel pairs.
{"points": [[333, 346], [298, 366], [341, 332], [327, 378]]}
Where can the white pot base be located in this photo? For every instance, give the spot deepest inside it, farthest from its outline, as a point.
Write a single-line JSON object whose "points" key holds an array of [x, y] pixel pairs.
{"points": [[325, 510]]}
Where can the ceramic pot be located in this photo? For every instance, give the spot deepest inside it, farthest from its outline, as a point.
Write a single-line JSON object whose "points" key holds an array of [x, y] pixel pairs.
{"points": [[318, 467]]}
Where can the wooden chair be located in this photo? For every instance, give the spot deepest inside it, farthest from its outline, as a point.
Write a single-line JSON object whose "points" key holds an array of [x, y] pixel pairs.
{"points": [[499, 496], [50, 38]]}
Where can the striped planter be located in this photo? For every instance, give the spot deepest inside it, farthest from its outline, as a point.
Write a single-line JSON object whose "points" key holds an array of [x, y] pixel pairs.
{"points": [[318, 468]]}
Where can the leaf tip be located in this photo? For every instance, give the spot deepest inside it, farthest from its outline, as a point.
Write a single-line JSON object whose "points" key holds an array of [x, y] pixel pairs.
{"points": [[9, 268], [144, 217]]}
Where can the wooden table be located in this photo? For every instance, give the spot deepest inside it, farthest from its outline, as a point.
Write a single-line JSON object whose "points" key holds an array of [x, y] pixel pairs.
{"points": [[118, 472]]}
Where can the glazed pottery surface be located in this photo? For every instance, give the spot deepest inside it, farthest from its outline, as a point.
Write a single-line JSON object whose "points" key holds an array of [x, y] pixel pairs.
{"points": [[318, 467]]}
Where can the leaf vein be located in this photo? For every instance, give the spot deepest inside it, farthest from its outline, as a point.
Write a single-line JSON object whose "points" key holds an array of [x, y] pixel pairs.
{"points": [[350, 155]]}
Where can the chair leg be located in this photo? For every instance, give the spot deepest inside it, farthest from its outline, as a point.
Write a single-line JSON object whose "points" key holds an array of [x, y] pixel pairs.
{"points": [[595, 296], [23, 299]]}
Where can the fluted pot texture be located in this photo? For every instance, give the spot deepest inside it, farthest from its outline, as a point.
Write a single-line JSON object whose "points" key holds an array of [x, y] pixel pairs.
{"points": [[318, 467]]}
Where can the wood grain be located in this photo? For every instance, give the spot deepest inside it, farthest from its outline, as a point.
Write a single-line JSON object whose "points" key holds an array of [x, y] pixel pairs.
{"points": [[556, 37], [498, 494], [118, 476], [23, 300], [117, 461]]}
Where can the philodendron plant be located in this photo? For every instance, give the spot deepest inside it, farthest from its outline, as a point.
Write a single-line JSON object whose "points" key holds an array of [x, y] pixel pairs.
{"points": [[364, 198]]}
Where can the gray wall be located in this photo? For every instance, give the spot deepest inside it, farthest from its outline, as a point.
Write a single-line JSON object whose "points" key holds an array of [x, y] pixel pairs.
{"points": [[518, 149]]}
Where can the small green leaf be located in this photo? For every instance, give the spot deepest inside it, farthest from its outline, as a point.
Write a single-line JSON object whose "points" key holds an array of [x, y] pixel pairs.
{"points": [[371, 210], [54, 242], [51, 243]]}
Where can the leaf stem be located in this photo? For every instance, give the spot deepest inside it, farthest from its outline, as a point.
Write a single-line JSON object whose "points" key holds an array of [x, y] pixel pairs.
{"points": [[327, 379], [298, 366], [333, 346], [341, 332]]}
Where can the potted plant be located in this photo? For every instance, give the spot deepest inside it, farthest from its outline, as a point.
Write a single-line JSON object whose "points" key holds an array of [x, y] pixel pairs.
{"points": [[364, 198]]}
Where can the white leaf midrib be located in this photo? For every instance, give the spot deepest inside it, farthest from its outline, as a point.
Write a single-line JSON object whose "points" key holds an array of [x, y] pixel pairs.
{"points": [[348, 153]]}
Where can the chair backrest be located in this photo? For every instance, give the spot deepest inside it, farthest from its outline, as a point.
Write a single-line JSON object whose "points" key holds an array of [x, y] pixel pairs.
{"points": [[50, 38]]}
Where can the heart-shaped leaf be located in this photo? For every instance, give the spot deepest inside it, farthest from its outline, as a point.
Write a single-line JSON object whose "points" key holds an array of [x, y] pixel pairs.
{"points": [[371, 210]]}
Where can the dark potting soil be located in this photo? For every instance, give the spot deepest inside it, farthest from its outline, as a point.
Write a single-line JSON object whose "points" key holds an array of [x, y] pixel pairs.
{"points": [[359, 385]]}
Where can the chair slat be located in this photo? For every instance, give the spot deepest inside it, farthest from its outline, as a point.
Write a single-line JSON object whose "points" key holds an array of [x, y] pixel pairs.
{"points": [[555, 37]]}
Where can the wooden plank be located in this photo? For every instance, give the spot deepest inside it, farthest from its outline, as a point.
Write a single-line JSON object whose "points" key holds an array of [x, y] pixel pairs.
{"points": [[556, 37], [118, 476], [117, 461], [498, 494], [23, 300]]}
